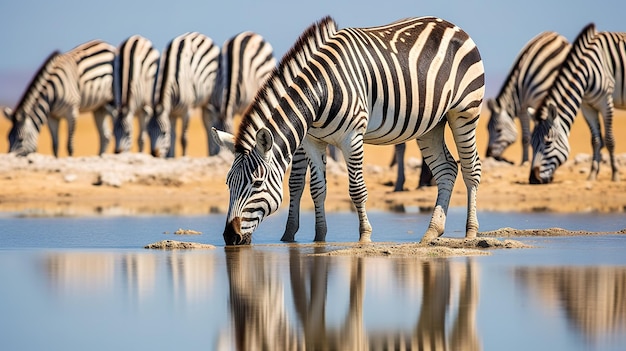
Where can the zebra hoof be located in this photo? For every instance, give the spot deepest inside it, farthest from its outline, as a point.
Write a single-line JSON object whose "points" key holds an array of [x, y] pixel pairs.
{"points": [[288, 238], [430, 235], [365, 237], [471, 233]]}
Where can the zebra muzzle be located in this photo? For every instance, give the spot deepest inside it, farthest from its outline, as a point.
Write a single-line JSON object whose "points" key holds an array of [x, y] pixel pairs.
{"points": [[232, 233]]}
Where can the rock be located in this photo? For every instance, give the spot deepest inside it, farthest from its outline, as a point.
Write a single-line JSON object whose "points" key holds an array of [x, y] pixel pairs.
{"points": [[177, 245], [182, 231]]}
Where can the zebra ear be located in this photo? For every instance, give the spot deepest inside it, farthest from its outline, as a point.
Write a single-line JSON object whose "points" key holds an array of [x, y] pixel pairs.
{"points": [[551, 112], [8, 112], [264, 142], [224, 139], [493, 106]]}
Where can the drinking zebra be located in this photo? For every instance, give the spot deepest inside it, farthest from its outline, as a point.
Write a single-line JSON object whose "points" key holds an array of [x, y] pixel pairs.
{"points": [[362, 86], [136, 67], [80, 80], [529, 79], [592, 78], [246, 60], [186, 80]]}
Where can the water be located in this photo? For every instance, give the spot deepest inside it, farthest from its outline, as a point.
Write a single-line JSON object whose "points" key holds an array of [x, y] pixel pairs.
{"points": [[87, 283]]}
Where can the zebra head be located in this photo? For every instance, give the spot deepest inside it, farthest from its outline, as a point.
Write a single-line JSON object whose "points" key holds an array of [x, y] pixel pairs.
{"points": [[23, 135], [159, 131], [255, 184], [550, 145], [501, 128]]}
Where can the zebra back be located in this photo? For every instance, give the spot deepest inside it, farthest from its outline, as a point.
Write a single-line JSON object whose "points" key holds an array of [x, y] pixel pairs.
{"points": [[91, 64], [246, 60]]}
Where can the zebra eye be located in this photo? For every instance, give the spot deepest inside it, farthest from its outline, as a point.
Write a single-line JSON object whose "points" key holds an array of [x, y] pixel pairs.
{"points": [[257, 182]]}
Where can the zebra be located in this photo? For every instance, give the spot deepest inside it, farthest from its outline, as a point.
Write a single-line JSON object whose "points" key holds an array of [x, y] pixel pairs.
{"points": [[186, 80], [80, 80], [246, 60], [136, 66], [592, 78], [362, 86], [530, 77]]}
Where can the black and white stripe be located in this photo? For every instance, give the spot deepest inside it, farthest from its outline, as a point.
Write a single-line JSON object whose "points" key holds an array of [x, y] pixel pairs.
{"points": [[592, 78], [530, 77], [186, 80], [362, 86], [80, 80], [246, 61], [136, 68]]}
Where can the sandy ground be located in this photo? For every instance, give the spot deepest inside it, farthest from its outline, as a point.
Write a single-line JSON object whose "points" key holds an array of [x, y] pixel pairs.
{"points": [[136, 183]]}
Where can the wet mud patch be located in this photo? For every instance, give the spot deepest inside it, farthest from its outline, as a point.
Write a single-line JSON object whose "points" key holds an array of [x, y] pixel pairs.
{"points": [[439, 247], [512, 232]]}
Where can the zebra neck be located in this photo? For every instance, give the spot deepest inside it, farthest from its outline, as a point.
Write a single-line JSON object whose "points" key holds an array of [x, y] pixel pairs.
{"points": [[39, 110], [509, 103]]}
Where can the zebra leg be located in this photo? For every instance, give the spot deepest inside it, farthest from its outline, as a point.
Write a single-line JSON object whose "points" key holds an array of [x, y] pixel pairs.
{"points": [[209, 120], [398, 155], [71, 127], [524, 120], [593, 121], [183, 133], [609, 137], [172, 151], [444, 168], [353, 154], [316, 151], [101, 116], [464, 133], [426, 176], [299, 166], [53, 125]]}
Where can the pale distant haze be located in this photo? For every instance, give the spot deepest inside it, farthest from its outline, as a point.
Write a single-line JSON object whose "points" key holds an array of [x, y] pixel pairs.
{"points": [[30, 30]]}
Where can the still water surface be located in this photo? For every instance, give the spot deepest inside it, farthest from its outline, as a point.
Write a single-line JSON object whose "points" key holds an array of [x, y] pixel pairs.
{"points": [[86, 283]]}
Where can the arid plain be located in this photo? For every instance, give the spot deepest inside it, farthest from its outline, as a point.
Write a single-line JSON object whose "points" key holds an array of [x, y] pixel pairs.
{"points": [[138, 184]]}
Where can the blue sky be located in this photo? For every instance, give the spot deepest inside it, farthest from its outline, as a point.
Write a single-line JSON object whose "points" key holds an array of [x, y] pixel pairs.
{"points": [[31, 29]]}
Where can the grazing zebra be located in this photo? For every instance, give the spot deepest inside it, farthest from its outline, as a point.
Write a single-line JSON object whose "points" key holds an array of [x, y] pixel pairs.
{"points": [[362, 86], [592, 78], [136, 67], [186, 80], [246, 60], [530, 77], [68, 84]]}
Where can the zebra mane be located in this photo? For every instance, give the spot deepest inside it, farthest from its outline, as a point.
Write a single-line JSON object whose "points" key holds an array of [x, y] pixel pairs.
{"points": [[32, 87], [281, 77], [583, 39]]}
